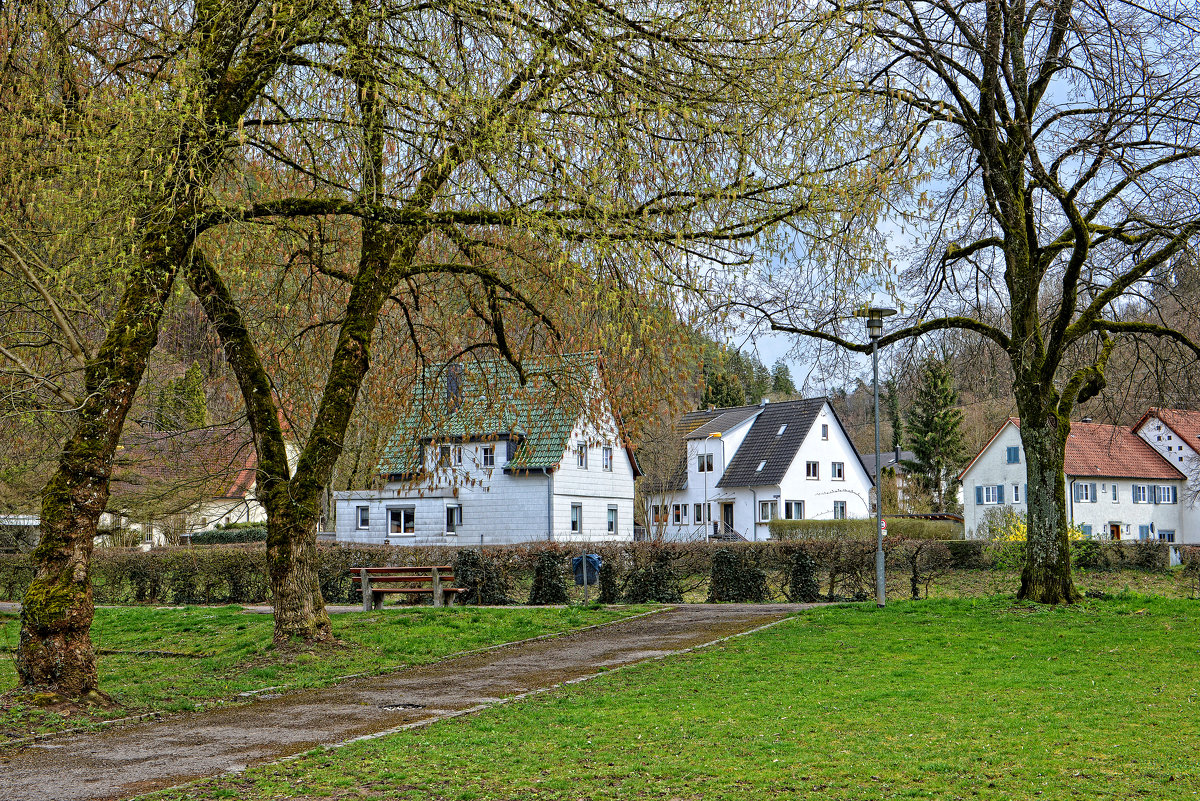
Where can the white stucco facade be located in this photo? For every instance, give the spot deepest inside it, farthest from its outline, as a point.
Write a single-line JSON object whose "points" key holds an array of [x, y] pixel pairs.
{"points": [[824, 479], [1104, 506], [470, 498], [1184, 455]]}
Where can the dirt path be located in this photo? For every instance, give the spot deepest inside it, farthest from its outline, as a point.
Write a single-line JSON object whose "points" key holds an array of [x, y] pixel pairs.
{"points": [[142, 757]]}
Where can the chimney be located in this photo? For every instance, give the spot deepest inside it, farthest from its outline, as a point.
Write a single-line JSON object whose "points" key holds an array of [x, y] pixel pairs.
{"points": [[454, 386], [763, 402], [897, 454]]}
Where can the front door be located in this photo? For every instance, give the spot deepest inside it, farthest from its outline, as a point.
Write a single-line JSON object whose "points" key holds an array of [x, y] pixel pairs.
{"points": [[1114, 531], [727, 515]]}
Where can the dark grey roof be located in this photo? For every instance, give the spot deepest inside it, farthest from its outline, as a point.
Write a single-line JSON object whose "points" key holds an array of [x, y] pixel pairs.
{"points": [[763, 443], [889, 460], [725, 420]]}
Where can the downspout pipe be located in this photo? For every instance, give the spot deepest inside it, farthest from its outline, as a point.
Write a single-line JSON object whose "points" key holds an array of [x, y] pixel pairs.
{"points": [[550, 505]]}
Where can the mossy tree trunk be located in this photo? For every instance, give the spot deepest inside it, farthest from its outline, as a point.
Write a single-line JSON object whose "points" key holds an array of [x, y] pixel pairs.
{"points": [[55, 649], [237, 48]]}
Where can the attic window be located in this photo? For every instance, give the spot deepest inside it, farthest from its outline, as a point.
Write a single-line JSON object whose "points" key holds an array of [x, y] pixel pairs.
{"points": [[782, 428], [761, 465]]}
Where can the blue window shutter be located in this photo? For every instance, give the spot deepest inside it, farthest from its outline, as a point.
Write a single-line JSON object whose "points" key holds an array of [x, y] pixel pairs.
{"points": [[1075, 493], [1095, 497], [979, 494], [1025, 493], [1156, 500], [999, 493], [1133, 493], [1174, 494]]}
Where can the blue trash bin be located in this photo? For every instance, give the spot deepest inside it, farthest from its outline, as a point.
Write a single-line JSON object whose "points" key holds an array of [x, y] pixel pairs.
{"points": [[593, 569]]}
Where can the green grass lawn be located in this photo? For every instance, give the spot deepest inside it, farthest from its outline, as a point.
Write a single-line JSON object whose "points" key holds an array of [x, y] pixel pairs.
{"points": [[934, 699], [230, 652]]}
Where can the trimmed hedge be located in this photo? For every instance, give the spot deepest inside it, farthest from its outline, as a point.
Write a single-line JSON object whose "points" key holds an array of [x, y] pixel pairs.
{"points": [[857, 529], [630, 572], [230, 536]]}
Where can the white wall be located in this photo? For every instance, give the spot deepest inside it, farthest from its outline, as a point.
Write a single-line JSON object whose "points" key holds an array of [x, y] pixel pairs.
{"points": [[1183, 457]]}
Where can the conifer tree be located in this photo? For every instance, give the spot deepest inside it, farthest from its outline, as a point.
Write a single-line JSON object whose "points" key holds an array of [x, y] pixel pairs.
{"points": [[935, 433]]}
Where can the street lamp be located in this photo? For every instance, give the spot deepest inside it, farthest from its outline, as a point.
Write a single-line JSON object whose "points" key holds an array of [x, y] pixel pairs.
{"points": [[875, 315], [706, 517]]}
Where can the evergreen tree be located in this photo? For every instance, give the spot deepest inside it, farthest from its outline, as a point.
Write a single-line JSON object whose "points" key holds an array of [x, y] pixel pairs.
{"points": [[935, 433], [181, 403], [891, 403], [722, 390], [781, 379]]}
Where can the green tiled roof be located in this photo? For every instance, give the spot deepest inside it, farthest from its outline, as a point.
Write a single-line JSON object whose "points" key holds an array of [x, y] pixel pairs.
{"points": [[536, 418]]}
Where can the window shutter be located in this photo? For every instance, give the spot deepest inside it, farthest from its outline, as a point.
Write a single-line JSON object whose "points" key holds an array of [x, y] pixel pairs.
{"points": [[999, 493], [1095, 496], [1025, 493], [1156, 500], [1174, 494], [1133, 493], [1075, 492], [979, 494]]}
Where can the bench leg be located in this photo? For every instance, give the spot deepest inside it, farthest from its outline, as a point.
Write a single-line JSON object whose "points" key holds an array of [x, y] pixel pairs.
{"points": [[438, 595], [377, 597], [365, 579]]}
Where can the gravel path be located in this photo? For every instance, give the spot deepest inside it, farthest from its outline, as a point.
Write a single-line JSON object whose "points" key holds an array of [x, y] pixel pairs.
{"points": [[141, 757]]}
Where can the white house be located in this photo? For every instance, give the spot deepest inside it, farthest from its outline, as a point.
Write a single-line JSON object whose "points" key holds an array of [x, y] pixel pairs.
{"points": [[1118, 486], [481, 459], [747, 465], [1175, 434]]}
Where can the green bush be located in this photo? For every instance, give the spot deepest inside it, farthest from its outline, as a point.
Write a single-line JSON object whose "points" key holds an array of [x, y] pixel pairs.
{"points": [[233, 534], [549, 586], [802, 586], [910, 528], [482, 577], [736, 579], [653, 578], [968, 554], [610, 589]]}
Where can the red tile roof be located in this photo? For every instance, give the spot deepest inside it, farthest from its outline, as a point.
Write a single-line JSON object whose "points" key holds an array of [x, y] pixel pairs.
{"points": [[1184, 422], [1094, 449], [205, 462]]}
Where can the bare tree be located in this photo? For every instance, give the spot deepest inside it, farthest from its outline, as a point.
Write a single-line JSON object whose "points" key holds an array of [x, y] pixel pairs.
{"points": [[1061, 144]]}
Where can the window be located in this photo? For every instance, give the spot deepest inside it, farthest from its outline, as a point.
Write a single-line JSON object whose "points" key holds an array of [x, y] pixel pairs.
{"points": [[1115, 497], [658, 514], [761, 465], [811, 470], [698, 513], [1014, 454], [402, 520], [782, 428], [1085, 492], [1143, 532], [824, 431], [581, 456], [453, 517], [576, 518], [768, 510], [838, 471], [1086, 531], [489, 455], [364, 517], [606, 459], [1166, 534], [839, 510], [1140, 493], [704, 462], [612, 520], [449, 455], [677, 513], [793, 510], [1165, 493], [989, 493], [1016, 493]]}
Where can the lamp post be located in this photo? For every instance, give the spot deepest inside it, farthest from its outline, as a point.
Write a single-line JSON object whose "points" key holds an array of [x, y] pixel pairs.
{"points": [[875, 315], [706, 517]]}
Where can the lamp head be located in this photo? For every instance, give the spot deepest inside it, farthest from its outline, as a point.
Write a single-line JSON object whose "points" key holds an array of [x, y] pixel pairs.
{"points": [[874, 315]]}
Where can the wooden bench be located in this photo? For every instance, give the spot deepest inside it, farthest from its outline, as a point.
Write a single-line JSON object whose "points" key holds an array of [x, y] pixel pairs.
{"points": [[375, 582]]}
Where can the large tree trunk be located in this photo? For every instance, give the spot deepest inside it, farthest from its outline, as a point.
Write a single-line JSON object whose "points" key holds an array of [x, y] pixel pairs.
{"points": [[55, 650], [1046, 577], [292, 564]]}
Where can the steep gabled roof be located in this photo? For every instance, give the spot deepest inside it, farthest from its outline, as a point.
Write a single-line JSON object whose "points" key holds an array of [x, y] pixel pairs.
{"points": [[1185, 423], [1095, 450], [724, 420], [483, 399], [764, 443]]}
